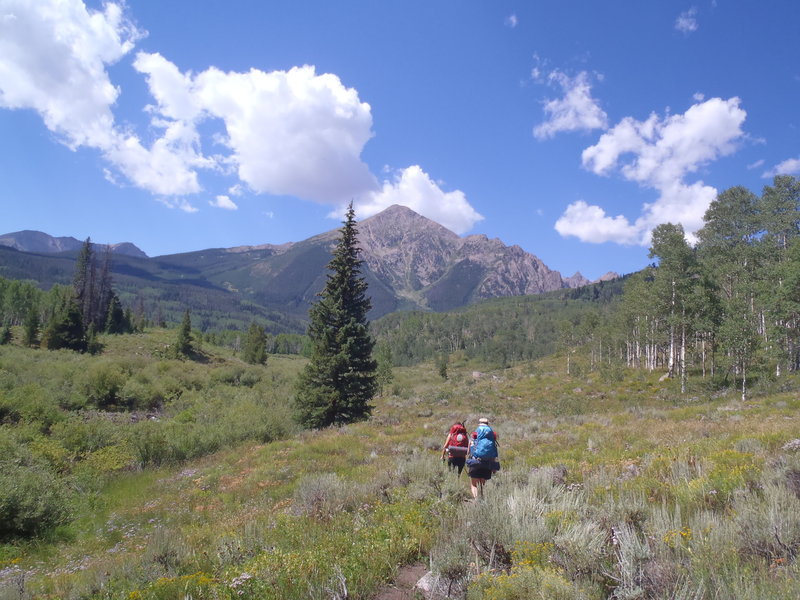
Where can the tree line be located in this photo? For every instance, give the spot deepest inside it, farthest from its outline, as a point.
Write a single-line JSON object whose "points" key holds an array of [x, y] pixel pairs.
{"points": [[66, 316], [726, 306]]}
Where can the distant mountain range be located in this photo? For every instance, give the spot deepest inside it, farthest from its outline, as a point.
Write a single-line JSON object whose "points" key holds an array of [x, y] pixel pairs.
{"points": [[38, 242], [411, 262]]}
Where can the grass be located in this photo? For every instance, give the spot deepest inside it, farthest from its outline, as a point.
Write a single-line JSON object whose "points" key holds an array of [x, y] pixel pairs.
{"points": [[611, 487]]}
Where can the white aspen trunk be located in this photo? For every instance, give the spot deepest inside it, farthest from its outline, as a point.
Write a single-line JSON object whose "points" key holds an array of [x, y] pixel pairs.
{"points": [[671, 357], [744, 383], [683, 359], [703, 354]]}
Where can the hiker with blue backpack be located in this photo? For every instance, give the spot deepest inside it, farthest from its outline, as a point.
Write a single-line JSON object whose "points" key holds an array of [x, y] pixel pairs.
{"points": [[482, 459]]}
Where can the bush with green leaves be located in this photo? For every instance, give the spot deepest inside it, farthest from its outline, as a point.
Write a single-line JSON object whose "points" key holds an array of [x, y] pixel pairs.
{"points": [[30, 404], [32, 500], [80, 435]]}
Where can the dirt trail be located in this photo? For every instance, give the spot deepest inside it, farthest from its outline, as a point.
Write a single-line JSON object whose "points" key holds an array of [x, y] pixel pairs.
{"points": [[403, 586]]}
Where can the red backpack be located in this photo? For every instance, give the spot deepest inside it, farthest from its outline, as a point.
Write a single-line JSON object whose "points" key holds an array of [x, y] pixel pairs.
{"points": [[459, 441]]}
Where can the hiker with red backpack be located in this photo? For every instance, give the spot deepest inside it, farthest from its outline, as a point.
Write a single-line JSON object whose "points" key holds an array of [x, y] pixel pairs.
{"points": [[456, 447], [482, 459]]}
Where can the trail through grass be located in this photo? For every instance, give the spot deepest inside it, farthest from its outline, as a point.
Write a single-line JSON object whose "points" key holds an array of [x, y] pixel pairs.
{"points": [[620, 489]]}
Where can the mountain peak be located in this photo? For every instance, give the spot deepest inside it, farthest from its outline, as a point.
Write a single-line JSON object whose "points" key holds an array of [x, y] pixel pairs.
{"points": [[401, 217], [610, 276]]}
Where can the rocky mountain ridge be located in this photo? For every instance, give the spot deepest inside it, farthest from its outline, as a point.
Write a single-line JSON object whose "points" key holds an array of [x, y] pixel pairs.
{"points": [[411, 262], [413, 253], [42, 243]]}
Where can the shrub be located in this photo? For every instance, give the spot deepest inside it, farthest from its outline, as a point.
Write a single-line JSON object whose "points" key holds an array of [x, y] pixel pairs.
{"points": [[450, 558], [427, 478], [767, 522], [167, 550], [32, 404], [527, 583], [324, 495], [109, 459], [229, 375], [139, 392], [101, 384], [32, 500], [579, 548], [150, 444], [79, 436]]}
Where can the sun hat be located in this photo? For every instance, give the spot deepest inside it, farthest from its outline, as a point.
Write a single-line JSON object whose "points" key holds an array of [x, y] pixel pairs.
{"points": [[483, 420]]}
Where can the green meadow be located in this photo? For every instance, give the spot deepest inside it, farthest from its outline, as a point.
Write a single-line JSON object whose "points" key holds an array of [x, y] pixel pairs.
{"points": [[133, 475]]}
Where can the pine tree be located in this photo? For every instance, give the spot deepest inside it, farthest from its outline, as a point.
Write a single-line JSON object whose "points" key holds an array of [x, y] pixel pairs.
{"points": [[93, 345], [383, 373], [83, 282], [183, 343], [339, 381], [255, 345], [66, 329], [5, 334], [104, 294], [116, 321], [441, 365], [30, 327]]}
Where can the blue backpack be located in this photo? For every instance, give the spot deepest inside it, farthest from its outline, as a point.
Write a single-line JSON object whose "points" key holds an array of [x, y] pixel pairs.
{"points": [[485, 444]]}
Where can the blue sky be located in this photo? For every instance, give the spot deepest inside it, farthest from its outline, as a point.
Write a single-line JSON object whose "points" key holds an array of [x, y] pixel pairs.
{"points": [[568, 128]]}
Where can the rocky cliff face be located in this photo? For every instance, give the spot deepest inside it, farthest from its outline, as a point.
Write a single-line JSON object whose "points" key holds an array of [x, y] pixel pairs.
{"points": [[420, 259]]}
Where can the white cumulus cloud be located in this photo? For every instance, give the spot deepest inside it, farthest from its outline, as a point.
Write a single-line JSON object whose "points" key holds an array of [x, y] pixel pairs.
{"points": [[592, 224], [791, 166], [659, 153], [295, 133], [53, 57], [512, 21], [53, 60], [223, 201], [577, 110], [414, 188]]}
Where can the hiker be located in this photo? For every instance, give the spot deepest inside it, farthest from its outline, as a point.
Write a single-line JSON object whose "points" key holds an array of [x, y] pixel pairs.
{"points": [[482, 459], [456, 447]]}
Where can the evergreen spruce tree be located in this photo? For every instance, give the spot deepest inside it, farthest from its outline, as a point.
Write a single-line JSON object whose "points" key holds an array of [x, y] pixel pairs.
{"points": [[116, 321], [183, 343], [441, 364], [339, 381], [383, 373], [66, 329], [93, 345], [83, 282], [255, 345], [30, 327], [104, 294], [5, 333]]}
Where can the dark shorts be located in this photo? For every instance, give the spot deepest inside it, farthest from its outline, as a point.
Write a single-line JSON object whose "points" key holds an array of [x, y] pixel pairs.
{"points": [[480, 470], [457, 461]]}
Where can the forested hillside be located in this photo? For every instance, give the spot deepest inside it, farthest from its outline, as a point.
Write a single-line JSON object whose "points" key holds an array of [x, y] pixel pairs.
{"points": [[499, 331], [158, 291]]}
